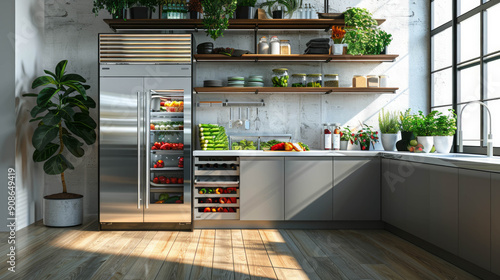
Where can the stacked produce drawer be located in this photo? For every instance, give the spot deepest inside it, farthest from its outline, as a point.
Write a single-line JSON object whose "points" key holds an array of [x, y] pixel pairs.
{"points": [[216, 188]]}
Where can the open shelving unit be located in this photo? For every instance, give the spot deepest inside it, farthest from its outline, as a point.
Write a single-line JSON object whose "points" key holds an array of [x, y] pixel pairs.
{"points": [[295, 90], [295, 58]]}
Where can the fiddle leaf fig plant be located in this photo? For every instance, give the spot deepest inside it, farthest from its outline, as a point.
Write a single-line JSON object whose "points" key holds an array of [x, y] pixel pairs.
{"points": [[62, 111], [216, 16]]}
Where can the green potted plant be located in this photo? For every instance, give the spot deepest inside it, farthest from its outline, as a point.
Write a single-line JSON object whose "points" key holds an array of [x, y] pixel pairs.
{"points": [[363, 37], [406, 127], [388, 123], [366, 136], [346, 136], [216, 16], [143, 9], [245, 9], [274, 8], [424, 126], [446, 127], [62, 111], [117, 8]]}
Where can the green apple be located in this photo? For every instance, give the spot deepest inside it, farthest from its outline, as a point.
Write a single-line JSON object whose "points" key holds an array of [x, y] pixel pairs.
{"points": [[413, 143]]}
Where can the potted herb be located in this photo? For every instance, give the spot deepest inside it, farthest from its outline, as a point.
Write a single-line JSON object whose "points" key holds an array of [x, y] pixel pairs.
{"points": [[446, 126], [338, 39], [216, 16], [117, 8], [363, 37], [406, 127], [64, 127], [346, 136], [424, 126], [274, 8], [245, 9], [389, 127], [195, 9], [365, 137]]}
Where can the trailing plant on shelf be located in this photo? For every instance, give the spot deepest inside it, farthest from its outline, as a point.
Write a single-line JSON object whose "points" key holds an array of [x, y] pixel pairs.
{"points": [[64, 123], [362, 33], [290, 5], [446, 125], [388, 122], [366, 136], [216, 16]]}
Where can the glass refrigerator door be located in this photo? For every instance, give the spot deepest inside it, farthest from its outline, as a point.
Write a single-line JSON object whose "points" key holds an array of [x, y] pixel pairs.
{"points": [[168, 185]]}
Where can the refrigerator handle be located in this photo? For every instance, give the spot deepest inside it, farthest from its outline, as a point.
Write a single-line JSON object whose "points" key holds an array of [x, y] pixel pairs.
{"points": [[148, 141], [139, 106]]}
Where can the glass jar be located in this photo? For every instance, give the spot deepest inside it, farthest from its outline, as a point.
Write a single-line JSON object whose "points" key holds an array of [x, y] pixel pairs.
{"points": [[372, 81], [285, 47], [274, 45], [383, 80], [331, 80], [299, 80], [263, 46], [280, 77], [314, 80], [359, 81]]}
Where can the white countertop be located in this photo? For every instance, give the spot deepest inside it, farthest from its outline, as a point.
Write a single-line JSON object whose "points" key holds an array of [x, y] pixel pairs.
{"points": [[468, 161]]}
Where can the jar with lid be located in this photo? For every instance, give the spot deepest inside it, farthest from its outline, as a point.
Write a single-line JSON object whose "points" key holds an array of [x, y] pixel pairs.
{"points": [[331, 80], [274, 45], [263, 47], [299, 80], [285, 47], [280, 77], [314, 80], [383, 80], [372, 81], [359, 81]]}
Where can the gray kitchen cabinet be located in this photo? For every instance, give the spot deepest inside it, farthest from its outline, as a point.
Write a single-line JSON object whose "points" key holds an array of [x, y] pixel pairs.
{"points": [[495, 223], [308, 188], [416, 183], [262, 188], [356, 189], [474, 217], [443, 208], [393, 192]]}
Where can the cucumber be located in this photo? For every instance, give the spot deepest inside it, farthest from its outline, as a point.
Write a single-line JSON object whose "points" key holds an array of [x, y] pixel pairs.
{"points": [[208, 149], [207, 125]]}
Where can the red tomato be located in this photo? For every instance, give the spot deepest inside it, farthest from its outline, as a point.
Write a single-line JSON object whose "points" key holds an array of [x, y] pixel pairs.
{"points": [[207, 209], [167, 181], [174, 180], [180, 181], [152, 127]]}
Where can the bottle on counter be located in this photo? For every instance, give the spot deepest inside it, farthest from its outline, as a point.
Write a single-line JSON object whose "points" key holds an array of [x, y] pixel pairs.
{"points": [[274, 45], [327, 135], [336, 136], [263, 47]]}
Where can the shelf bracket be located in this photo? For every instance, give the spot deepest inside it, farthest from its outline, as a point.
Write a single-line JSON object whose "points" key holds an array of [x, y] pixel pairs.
{"points": [[256, 91], [328, 59], [328, 92]]}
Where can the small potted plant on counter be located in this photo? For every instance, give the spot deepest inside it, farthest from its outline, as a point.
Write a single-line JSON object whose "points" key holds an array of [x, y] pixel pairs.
{"points": [[389, 128], [62, 110], [446, 127], [346, 136], [245, 9], [406, 127], [366, 136], [425, 128]]}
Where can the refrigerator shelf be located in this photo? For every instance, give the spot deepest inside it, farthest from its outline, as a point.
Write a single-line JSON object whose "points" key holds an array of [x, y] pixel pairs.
{"points": [[168, 152], [197, 195], [177, 130], [211, 183], [167, 114], [167, 169], [166, 185], [167, 190], [216, 205], [198, 172]]}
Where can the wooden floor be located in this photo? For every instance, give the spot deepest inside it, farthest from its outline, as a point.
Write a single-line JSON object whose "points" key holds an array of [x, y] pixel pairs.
{"points": [[85, 253]]}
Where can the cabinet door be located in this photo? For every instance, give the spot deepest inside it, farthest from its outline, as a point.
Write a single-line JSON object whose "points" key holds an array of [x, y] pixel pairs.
{"points": [[474, 217], [495, 223], [443, 208], [394, 191], [417, 199], [308, 188], [262, 188], [356, 189]]}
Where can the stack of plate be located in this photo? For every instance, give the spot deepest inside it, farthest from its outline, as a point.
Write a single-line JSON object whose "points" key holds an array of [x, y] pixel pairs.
{"points": [[255, 81], [236, 81], [212, 83]]}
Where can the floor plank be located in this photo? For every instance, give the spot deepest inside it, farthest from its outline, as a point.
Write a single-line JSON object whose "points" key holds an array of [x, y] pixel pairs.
{"points": [[223, 267], [203, 261], [241, 271], [259, 264]]}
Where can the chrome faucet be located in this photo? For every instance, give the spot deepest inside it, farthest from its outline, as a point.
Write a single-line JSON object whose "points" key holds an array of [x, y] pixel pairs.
{"points": [[489, 143]]}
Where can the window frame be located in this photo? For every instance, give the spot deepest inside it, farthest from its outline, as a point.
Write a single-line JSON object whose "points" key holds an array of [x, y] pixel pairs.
{"points": [[457, 66]]}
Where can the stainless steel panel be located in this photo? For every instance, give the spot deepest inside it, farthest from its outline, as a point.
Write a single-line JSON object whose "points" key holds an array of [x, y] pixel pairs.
{"points": [[118, 150], [262, 188], [308, 189], [142, 71], [356, 189]]}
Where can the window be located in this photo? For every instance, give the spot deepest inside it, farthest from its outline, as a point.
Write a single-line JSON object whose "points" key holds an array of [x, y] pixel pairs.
{"points": [[465, 65]]}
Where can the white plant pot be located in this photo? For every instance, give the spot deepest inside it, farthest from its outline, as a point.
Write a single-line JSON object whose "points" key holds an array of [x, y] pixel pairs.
{"points": [[443, 144], [338, 49], [62, 212], [389, 141], [344, 144], [427, 142]]}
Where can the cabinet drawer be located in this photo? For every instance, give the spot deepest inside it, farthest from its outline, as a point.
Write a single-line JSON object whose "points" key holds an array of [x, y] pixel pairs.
{"points": [[217, 215]]}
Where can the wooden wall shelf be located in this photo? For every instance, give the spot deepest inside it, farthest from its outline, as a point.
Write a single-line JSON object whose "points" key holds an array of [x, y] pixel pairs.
{"points": [[284, 24], [296, 58], [295, 90]]}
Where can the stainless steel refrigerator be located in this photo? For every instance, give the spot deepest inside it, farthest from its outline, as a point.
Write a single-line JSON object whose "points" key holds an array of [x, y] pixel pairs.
{"points": [[145, 94]]}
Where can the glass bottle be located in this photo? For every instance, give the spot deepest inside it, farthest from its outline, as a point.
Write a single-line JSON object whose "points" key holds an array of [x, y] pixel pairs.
{"points": [[274, 45], [280, 77], [183, 10], [327, 135], [263, 47], [169, 10], [310, 16], [306, 12], [336, 136], [301, 11]]}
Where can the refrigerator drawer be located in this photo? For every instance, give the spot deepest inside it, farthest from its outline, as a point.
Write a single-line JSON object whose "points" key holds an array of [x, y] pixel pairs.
{"points": [[217, 215], [201, 171]]}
